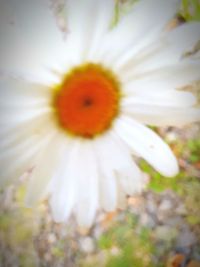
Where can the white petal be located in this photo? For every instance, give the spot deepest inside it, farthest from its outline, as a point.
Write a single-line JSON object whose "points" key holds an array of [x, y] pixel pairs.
{"points": [[10, 137], [109, 158], [162, 115], [30, 39], [184, 38], [86, 175], [18, 148], [21, 101], [109, 148], [20, 159], [115, 161], [176, 44], [17, 167], [148, 145], [15, 133], [165, 78], [138, 28], [87, 21], [64, 186], [20, 93], [108, 191], [45, 167], [11, 118], [131, 179], [170, 98]]}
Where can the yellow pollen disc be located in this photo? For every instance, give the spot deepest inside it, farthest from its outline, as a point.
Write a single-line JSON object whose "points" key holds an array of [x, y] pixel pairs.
{"points": [[87, 101]]}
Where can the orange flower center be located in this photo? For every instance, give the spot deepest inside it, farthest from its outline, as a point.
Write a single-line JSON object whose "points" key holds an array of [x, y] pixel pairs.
{"points": [[87, 101]]}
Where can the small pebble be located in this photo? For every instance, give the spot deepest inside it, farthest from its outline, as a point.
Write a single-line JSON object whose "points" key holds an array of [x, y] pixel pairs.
{"points": [[166, 233], [186, 239], [51, 238], [181, 210], [147, 221], [171, 137], [165, 205], [115, 251], [176, 221], [152, 207], [87, 244]]}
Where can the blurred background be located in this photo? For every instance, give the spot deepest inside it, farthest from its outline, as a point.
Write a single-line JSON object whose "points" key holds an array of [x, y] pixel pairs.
{"points": [[160, 227]]}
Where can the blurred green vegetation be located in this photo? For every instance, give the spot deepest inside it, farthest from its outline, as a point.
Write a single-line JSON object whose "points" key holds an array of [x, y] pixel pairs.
{"points": [[121, 8], [132, 249], [190, 9], [17, 228]]}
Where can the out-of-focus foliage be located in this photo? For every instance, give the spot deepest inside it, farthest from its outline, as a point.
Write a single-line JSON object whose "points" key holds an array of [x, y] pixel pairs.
{"points": [[16, 230], [190, 9], [121, 8], [122, 247]]}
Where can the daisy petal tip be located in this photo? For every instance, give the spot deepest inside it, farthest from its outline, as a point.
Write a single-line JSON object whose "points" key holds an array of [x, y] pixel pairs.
{"points": [[85, 218], [59, 212], [109, 208], [172, 170], [58, 215], [85, 223]]}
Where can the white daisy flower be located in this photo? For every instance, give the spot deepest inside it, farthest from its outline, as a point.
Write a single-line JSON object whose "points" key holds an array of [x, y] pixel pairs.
{"points": [[75, 108]]}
